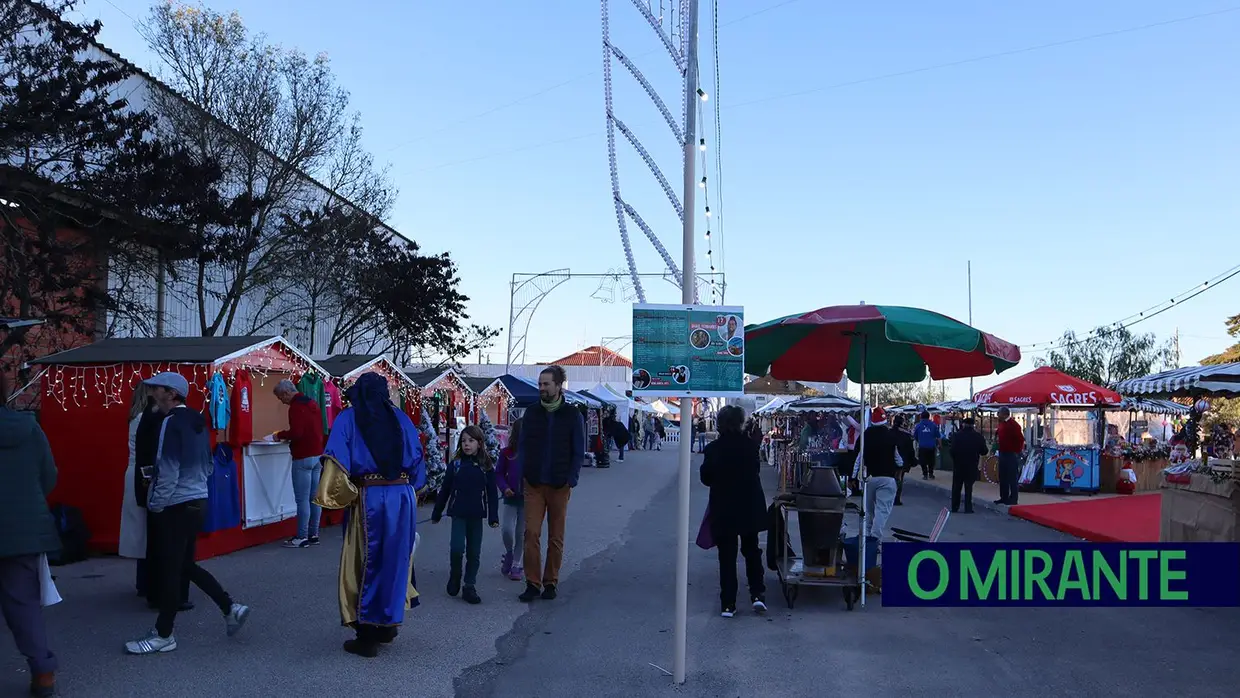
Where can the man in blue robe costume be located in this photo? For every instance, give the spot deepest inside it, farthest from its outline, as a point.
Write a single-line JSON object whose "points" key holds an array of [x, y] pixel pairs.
{"points": [[377, 447]]}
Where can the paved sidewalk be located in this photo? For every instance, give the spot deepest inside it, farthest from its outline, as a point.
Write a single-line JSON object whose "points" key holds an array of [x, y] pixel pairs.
{"points": [[291, 645], [985, 493], [614, 631]]}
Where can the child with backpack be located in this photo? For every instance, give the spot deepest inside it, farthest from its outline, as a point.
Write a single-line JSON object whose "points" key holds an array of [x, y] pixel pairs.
{"points": [[470, 496], [508, 475]]}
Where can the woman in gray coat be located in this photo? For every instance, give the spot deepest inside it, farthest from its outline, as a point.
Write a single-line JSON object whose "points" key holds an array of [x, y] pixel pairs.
{"points": [[27, 531]]}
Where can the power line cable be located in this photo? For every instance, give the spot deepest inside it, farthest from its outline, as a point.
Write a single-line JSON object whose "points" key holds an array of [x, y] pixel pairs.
{"points": [[719, 144], [885, 76], [985, 57], [1141, 316], [533, 95]]}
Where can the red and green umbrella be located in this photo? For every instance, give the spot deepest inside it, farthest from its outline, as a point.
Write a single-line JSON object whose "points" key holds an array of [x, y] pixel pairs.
{"points": [[873, 344]]}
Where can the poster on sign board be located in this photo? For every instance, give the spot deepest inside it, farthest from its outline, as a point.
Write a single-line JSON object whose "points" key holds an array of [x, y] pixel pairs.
{"points": [[688, 350]]}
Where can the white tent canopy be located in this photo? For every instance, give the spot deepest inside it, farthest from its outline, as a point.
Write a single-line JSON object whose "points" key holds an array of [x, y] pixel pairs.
{"points": [[609, 395], [776, 405], [664, 409]]}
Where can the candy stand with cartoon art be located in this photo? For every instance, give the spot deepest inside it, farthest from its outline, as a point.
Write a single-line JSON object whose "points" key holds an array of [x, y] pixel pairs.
{"points": [[1070, 467], [85, 406]]}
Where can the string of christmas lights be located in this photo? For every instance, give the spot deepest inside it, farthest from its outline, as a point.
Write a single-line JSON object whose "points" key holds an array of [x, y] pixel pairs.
{"points": [[115, 382]]}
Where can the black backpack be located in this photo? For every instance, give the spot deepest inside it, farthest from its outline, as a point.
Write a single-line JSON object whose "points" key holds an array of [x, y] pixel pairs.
{"points": [[74, 535]]}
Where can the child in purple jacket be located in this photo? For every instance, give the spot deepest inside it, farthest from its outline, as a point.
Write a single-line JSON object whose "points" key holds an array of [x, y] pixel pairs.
{"points": [[512, 513]]}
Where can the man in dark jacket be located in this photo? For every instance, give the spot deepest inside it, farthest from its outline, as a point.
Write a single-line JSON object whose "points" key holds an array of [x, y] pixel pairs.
{"points": [[968, 447], [27, 531], [551, 452], [177, 509], [618, 433], [305, 437], [904, 447]]}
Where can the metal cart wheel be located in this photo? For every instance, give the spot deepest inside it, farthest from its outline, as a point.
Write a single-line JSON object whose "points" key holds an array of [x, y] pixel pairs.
{"points": [[790, 594]]}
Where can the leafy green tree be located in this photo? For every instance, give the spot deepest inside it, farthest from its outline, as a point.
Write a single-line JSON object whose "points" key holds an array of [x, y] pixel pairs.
{"points": [[1111, 354]]}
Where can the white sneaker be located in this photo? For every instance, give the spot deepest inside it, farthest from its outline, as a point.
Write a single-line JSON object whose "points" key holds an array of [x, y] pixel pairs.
{"points": [[152, 644], [759, 606], [728, 612], [297, 543], [236, 618]]}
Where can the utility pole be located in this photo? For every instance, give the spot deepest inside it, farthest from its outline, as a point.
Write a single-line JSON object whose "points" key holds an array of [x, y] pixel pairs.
{"points": [[970, 316], [687, 296]]}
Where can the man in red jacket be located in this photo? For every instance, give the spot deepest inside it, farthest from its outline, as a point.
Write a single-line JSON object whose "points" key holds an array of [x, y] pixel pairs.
{"points": [[1011, 447], [305, 437]]}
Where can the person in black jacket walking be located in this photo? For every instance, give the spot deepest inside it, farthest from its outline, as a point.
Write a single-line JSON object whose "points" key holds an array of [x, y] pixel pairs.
{"points": [[551, 451], [968, 447], [730, 469], [908, 454]]}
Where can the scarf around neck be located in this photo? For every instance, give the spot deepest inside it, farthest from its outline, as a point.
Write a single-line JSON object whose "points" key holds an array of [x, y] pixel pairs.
{"points": [[553, 405]]}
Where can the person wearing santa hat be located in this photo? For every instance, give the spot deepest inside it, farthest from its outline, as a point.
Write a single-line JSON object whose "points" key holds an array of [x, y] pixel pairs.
{"points": [[882, 462]]}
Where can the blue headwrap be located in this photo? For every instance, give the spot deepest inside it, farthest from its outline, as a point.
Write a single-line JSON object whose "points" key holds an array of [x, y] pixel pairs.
{"points": [[376, 420]]}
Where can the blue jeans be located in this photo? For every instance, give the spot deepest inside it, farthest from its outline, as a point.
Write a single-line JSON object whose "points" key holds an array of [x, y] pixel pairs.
{"points": [[306, 472]]}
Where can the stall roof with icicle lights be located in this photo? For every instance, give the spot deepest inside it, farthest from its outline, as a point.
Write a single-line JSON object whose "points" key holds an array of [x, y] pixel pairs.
{"points": [[433, 380], [347, 368], [201, 356]]}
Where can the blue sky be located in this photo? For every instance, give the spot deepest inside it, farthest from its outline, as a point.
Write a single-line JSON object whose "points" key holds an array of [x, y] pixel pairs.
{"points": [[1086, 181]]}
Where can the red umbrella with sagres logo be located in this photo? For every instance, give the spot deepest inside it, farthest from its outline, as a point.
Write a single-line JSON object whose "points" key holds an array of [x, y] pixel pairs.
{"points": [[1047, 386]]}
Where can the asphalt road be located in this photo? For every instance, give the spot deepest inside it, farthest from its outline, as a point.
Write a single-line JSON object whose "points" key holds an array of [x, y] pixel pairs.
{"points": [[610, 630]]}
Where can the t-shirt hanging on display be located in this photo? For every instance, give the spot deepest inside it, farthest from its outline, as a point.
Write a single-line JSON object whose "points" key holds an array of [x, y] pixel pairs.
{"points": [[223, 494], [217, 405], [331, 403], [242, 409], [311, 385]]}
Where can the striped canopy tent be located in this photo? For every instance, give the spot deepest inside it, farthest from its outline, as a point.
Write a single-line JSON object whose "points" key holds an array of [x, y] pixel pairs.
{"points": [[826, 404], [1221, 380], [775, 406], [1152, 406]]}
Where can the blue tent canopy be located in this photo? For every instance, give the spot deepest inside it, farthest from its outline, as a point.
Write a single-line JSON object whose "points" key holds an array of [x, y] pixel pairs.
{"points": [[525, 393]]}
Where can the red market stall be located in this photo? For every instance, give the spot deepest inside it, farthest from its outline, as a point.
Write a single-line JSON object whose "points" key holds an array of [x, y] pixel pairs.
{"points": [[1073, 466], [85, 414], [498, 402], [447, 399]]}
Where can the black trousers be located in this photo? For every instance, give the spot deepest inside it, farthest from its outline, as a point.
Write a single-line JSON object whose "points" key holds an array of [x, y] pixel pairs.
{"points": [[965, 482], [754, 573], [926, 457], [176, 540]]}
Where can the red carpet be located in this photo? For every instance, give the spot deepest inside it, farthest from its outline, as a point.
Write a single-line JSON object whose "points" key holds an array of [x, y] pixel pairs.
{"points": [[1130, 519]]}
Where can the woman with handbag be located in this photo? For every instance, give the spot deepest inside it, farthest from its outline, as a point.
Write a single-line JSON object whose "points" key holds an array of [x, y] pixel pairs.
{"points": [[737, 508], [144, 422]]}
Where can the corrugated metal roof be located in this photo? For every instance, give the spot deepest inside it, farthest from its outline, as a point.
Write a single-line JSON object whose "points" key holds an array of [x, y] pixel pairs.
{"points": [[188, 350]]}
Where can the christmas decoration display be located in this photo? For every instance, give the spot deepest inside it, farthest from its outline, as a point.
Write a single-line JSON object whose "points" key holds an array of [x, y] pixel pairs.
{"points": [[433, 455], [1127, 483], [492, 439]]}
